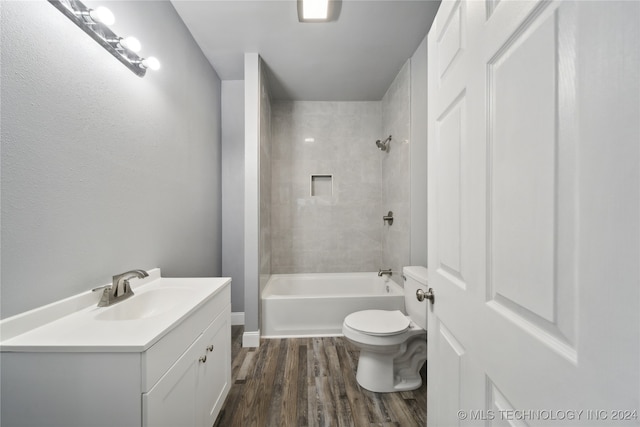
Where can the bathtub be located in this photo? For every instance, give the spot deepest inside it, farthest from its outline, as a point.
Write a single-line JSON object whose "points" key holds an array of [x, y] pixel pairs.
{"points": [[310, 305]]}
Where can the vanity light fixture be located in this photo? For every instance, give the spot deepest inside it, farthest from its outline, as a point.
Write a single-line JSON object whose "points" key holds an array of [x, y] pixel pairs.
{"points": [[150, 62], [95, 23], [131, 43], [315, 10], [99, 15]]}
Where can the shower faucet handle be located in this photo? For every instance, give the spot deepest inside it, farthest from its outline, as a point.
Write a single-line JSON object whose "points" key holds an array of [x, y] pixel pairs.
{"points": [[383, 145], [388, 218]]}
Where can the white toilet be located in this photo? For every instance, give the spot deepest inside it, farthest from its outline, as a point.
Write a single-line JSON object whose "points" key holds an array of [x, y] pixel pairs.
{"points": [[393, 346]]}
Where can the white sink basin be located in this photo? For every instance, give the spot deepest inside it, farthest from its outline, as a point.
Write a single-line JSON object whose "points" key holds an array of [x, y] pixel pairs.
{"points": [[153, 302], [77, 324]]}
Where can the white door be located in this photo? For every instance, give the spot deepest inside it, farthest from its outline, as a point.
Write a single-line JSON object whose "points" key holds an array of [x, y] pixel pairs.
{"points": [[534, 213]]}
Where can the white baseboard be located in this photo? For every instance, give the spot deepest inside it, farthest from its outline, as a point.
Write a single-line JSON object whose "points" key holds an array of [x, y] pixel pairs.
{"points": [[251, 339], [237, 318]]}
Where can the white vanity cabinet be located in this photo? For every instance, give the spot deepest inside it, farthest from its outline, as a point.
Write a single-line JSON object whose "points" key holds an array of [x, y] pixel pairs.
{"points": [[193, 389], [168, 370]]}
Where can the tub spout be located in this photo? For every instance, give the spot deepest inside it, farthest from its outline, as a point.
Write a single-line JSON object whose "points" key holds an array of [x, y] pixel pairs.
{"points": [[387, 272]]}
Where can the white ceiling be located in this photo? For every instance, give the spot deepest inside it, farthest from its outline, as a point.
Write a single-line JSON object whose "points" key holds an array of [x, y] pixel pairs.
{"points": [[354, 58]]}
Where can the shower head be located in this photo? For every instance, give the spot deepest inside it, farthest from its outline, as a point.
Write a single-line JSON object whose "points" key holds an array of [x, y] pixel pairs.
{"points": [[383, 145]]}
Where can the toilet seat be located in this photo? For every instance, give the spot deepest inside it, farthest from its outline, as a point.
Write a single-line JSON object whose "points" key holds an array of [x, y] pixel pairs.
{"points": [[378, 322]]}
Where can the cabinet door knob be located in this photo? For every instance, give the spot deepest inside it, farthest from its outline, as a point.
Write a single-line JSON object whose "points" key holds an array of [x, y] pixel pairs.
{"points": [[203, 359], [210, 348]]}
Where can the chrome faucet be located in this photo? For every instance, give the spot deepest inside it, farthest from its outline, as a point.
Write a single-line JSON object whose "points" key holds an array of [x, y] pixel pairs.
{"points": [[387, 272], [119, 289]]}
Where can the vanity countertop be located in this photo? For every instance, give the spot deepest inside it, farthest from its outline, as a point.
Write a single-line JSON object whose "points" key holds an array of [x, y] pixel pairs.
{"points": [[76, 324]]}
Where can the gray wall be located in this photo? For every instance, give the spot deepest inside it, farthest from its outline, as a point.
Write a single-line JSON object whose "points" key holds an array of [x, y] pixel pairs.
{"points": [[103, 171], [418, 158], [396, 182], [326, 233], [251, 196], [233, 189]]}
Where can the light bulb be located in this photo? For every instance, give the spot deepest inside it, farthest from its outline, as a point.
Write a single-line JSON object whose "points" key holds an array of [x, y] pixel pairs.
{"points": [[131, 43], [151, 62], [103, 15]]}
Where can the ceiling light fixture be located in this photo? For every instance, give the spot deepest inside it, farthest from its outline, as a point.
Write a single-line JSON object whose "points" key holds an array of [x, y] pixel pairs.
{"points": [[314, 10]]}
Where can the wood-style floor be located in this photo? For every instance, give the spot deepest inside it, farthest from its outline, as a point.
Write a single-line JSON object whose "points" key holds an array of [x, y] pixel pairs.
{"points": [[305, 382]]}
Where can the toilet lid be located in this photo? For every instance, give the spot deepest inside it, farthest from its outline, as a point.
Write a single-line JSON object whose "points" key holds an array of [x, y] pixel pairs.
{"points": [[378, 322]]}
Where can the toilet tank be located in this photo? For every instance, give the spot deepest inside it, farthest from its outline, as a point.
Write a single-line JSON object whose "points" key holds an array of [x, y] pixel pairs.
{"points": [[415, 277]]}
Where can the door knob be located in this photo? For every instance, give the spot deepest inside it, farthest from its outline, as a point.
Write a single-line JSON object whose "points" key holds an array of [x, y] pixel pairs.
{"points": [[421, 295]]}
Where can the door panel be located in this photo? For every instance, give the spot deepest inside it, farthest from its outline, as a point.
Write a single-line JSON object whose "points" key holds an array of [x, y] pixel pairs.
{"points": [[451, 354], [499, 404], [522, 151], [531, 193], [450, 137], [534, 212], [450, 37]]}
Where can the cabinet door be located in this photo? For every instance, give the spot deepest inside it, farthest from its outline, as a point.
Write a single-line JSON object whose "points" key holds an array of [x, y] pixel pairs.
{"points": [[172, 401], [214, 378]]}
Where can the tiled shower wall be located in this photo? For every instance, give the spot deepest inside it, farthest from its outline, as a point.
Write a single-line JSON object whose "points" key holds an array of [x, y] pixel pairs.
{"points": [[396, 182], [342, 231], [265, 180], [335, 232]]}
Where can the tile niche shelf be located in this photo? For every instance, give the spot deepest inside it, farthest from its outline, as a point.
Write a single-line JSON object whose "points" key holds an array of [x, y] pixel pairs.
{"points": [[321, 185]]}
